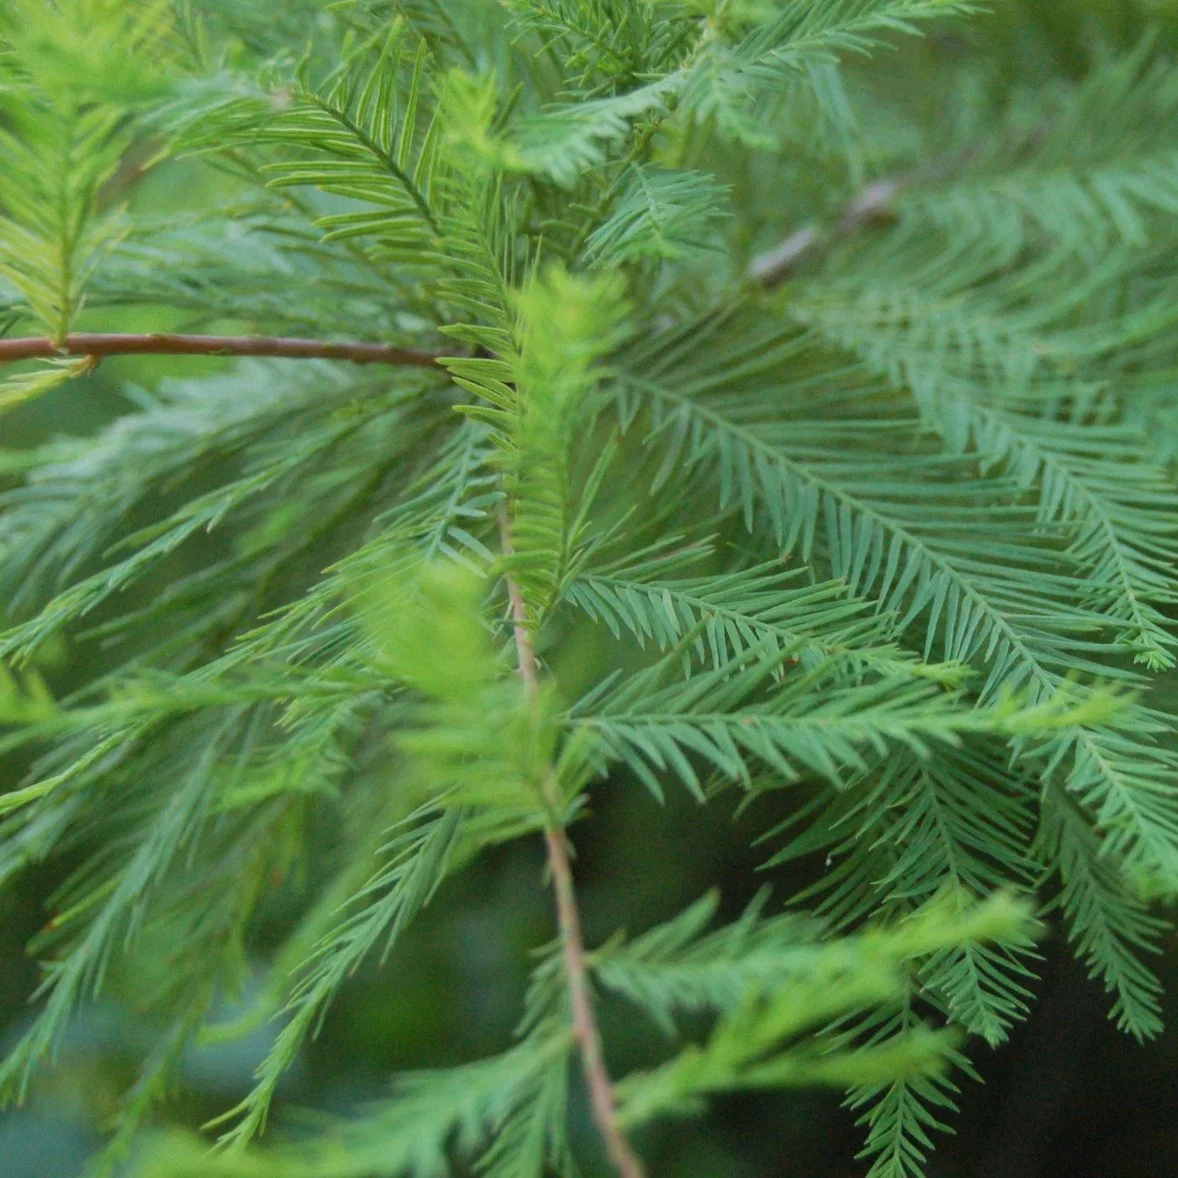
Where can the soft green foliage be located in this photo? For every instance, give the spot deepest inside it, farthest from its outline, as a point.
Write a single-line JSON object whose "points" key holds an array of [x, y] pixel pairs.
{"points": [[410, 1134], [886, 545], [805, 987], [69, 78]]}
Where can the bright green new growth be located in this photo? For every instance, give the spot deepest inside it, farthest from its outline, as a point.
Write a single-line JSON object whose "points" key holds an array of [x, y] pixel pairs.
{"points": [[875, 520]]}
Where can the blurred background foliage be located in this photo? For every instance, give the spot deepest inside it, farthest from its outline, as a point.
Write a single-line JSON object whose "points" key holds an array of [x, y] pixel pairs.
{"points": [[1067, 1095]]}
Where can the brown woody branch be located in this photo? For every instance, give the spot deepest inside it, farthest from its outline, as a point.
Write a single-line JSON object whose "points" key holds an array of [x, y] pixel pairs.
{"points": [[161, 343], [601, 1093], [576, 968]]}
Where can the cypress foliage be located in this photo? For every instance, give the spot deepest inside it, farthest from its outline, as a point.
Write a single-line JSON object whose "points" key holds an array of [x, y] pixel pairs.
{"points": [[628, 395]]}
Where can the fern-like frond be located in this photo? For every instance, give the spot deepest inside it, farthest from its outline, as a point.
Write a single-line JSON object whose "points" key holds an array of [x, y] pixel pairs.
{"points": [[736, 83], [749, 1049], [1005, 598], [532, 1141], [659, 214], [917, 832], [363, 134], [453, 29], [984, 374], [561, 141], [741, 610], [754, 711], [606, 46], [416, 860], [901, 1116], [1099, 167], [162, 834], [212, 271], [64, 133], [540, 395], [290, 645], [54, 545], [890, 515], [678, 968], [1109, 926]]}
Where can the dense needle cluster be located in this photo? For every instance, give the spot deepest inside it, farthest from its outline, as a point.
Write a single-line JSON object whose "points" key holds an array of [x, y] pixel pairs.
{"points": [[735, 416]]}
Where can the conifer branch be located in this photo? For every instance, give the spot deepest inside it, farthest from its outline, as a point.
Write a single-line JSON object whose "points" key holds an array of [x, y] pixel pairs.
{"points": [[768, 270], [98, 345], [585, 1029], [954, 440]]}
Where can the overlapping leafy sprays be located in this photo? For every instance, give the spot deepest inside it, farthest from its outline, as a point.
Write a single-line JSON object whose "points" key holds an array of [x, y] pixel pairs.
{"points": [[928, 443]]}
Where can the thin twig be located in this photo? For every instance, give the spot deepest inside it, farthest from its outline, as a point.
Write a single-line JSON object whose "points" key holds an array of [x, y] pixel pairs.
{"points": [[585, 1030], [162, 343], [874, 203], [601, 1094]]}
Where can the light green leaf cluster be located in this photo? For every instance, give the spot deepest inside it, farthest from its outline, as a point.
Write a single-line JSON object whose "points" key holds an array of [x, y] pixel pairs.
{"points": [[72, 79], [813, 986]]}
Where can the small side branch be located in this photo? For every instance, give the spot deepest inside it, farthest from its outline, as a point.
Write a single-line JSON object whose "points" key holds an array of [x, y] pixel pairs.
{"points": [[873, 204], [585, 1030], [99, 345]]}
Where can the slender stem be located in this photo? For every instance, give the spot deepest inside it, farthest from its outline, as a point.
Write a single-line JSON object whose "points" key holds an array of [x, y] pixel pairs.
{"points": [[874, 203], [163, 343], [585, 1030], [601, 1095]]}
